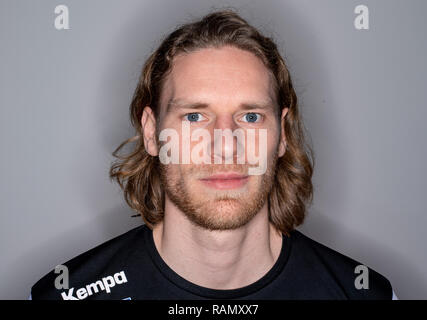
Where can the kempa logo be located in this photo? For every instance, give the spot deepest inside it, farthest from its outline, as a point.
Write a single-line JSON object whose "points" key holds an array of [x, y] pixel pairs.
{"points": [[105, 284]]}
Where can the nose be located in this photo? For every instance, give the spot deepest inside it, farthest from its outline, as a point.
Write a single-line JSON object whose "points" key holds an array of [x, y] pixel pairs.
{"points": [[225, 136]]}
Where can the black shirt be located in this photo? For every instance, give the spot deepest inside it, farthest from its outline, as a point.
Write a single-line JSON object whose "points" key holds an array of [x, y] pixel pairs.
{"points": [[130, 267]]}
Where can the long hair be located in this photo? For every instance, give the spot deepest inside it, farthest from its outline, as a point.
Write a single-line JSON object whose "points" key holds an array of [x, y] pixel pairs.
{"points": [[138, 174]]}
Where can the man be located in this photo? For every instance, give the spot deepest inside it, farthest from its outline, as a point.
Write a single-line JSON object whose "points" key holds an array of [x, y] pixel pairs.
{"points": [[218, 224]]}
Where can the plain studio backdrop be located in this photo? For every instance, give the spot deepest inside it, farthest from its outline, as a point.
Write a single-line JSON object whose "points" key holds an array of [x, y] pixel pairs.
{"points": [[65, 98]]}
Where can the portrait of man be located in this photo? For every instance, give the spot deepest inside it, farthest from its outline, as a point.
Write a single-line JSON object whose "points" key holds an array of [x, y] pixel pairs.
{"points": [[214, 92]]}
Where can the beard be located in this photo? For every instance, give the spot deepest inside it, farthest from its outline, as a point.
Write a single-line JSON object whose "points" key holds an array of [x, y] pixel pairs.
{"points": [[216, 209]]}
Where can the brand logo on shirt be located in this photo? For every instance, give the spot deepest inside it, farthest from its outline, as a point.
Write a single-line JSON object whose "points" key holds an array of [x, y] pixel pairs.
{"points": [[104, 284]]}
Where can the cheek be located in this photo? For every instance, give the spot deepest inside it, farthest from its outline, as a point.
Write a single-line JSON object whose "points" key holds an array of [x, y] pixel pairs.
{"points": [[266, 141], [173, 174], [272, 141], [273, 138]]}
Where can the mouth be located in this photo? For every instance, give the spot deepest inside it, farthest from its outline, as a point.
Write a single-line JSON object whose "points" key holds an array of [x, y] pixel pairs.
{"points": [[225, 181]]}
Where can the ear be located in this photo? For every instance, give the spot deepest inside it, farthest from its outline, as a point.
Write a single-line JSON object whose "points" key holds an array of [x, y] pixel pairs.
{"points": [[148, 123], [282, 142]]}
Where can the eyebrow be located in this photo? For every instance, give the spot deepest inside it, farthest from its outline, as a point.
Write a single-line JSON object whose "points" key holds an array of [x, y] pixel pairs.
{"points": [[179, 103]]}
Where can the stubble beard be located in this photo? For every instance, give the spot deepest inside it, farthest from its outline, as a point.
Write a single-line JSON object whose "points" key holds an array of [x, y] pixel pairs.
{"points": [[222, 210]]}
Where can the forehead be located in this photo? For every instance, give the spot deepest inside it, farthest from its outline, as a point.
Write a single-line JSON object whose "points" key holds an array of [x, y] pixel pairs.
{"points": [[226, 75]]}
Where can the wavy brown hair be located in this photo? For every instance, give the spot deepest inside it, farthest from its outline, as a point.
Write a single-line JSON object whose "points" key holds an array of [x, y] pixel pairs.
{"points": [[138, 174]]}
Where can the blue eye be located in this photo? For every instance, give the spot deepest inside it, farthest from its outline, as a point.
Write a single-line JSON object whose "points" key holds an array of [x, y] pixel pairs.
{"points": [[252, 117], [193, 117]]}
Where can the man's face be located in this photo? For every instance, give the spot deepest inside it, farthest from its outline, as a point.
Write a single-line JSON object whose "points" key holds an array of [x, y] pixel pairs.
{"points": [[213, 89]]}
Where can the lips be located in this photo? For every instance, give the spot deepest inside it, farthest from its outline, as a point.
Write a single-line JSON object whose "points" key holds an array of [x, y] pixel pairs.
{"points": [[225, 181]]}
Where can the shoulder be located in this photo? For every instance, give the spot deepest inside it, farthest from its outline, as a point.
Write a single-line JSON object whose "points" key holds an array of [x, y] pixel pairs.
{"points": [[105, 261], [354, 279]]}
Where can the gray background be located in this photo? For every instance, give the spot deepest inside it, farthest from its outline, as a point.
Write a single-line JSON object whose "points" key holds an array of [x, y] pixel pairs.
{"points": [[64, 108]]}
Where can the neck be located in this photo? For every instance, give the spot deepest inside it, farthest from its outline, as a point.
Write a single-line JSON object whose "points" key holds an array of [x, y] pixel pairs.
{"points": [[226, 259]]}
